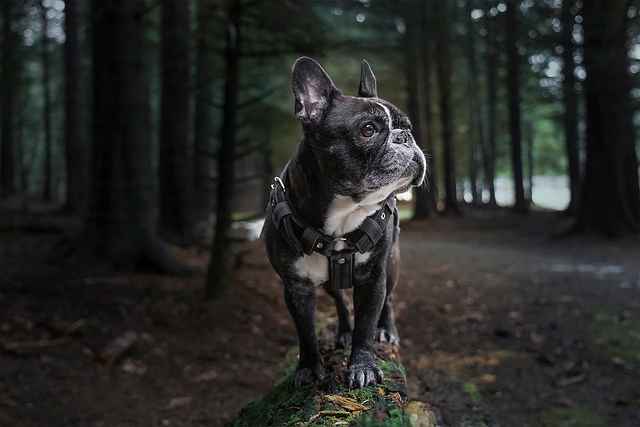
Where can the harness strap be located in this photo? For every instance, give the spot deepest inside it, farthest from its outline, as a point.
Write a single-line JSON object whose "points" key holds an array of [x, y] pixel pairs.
{"points": [[307, 240]]}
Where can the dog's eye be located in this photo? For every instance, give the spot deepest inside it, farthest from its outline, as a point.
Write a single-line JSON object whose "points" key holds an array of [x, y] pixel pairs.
{"points": [[368, 130]]}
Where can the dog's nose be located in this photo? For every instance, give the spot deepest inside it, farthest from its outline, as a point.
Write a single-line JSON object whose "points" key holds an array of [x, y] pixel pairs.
{"points": [[401, 136]]}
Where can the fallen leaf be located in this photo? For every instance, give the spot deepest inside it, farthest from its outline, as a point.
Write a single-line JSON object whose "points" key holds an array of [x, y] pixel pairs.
{"points": [[346, 403], [177, 402], [487, 379], [206, 376], [564, 382], [536, 338], [118, 347], [474, 316], [396, 398], [131, 366]]}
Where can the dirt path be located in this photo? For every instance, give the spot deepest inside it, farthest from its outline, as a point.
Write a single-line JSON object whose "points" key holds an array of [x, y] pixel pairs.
{"points": [[494, 315], [539, 331]]}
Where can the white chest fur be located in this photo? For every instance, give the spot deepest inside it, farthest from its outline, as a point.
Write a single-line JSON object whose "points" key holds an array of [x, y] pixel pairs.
{"points": [[343, 216]]}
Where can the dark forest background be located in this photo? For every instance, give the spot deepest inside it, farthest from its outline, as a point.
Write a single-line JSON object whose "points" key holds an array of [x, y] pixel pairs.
{"points": [[150, 118], [156, 124]]}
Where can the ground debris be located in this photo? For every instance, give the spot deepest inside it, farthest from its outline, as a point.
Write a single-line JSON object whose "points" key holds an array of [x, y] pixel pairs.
{"points": [[118, 347], [209, 375], [180, 401], [573, 379], [135, 367], [32, 346]]}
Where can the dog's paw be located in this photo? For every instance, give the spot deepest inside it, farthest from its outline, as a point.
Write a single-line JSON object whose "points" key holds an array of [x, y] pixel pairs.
{"points": [[343, 340], [308, 376], [362, 374], [388, 336]]}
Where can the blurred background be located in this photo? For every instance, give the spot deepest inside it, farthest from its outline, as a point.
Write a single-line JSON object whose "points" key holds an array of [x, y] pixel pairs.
{"points": [[138, 139]]}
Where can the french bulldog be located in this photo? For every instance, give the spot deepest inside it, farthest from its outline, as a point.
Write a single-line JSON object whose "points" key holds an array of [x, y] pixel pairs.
{"points": [[356, 152]]}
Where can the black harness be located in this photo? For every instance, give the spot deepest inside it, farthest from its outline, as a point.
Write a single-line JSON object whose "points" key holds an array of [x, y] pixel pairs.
{"points": [[307, 240]]}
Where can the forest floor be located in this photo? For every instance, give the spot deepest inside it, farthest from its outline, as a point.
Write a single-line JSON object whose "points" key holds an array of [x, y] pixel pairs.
{"points": [[494, 312]]}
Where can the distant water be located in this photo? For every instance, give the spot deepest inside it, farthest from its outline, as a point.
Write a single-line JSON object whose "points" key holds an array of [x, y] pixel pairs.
{"points": [[549, 192]]}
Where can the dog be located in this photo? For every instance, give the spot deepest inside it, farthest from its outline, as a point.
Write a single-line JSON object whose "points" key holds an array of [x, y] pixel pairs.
{"points": [[332, 220]]}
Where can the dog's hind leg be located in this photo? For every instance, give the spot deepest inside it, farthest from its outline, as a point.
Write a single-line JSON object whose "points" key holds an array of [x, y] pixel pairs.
{"points": [[387, 330], [343, 335], [301, 302]]}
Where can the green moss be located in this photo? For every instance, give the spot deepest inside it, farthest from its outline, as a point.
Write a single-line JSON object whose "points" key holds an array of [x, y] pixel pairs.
{"points": [[284, 406], [396, 418], [406, 212], [572, 417], [617, 337], [472, 390], [242, 216], [288, 406]]}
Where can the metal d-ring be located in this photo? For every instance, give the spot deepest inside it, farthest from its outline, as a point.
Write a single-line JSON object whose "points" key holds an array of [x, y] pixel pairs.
{"points": [[335, 241], [279, 182]]}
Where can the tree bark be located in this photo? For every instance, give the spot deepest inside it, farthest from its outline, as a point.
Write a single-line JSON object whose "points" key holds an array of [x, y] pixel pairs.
{"points": [[76, 155], [410, 44], [570, 101], [530, 139], [8, 95], [47, 184], [490, 151], [121, 223], [219, 275], [515, 125], [610, 200], [426, 196], [176, 164], [444, 72], [204, 112], [476, 113]]}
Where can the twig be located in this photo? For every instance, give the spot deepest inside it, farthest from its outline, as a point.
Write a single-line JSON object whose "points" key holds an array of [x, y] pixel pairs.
{"points": [[24, 347]]}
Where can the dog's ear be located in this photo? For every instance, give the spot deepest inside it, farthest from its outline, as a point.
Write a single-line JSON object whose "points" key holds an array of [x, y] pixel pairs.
{"points": [[312, 88], [368, 86]]}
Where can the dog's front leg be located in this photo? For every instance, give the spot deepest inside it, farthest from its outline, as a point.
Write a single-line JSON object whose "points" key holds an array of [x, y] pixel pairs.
{"points": [[368, 299], [301, 302]]}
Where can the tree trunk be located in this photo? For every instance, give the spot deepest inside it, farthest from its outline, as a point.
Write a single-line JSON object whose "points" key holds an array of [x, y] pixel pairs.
{"points": [[176, 164], [412, 78], [426, 196], [204, 111], [121, 221], [267, 167], [444, 72], [47, 184], [8, 87], [570, 100], [490, 151], [515, 126], [220, 265], [530, 139], [476, 122], [610, 200], [76, 155]]}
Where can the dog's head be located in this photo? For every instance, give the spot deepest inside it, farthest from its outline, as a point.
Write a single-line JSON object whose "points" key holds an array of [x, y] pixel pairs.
{"points": [[363, 144]]}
